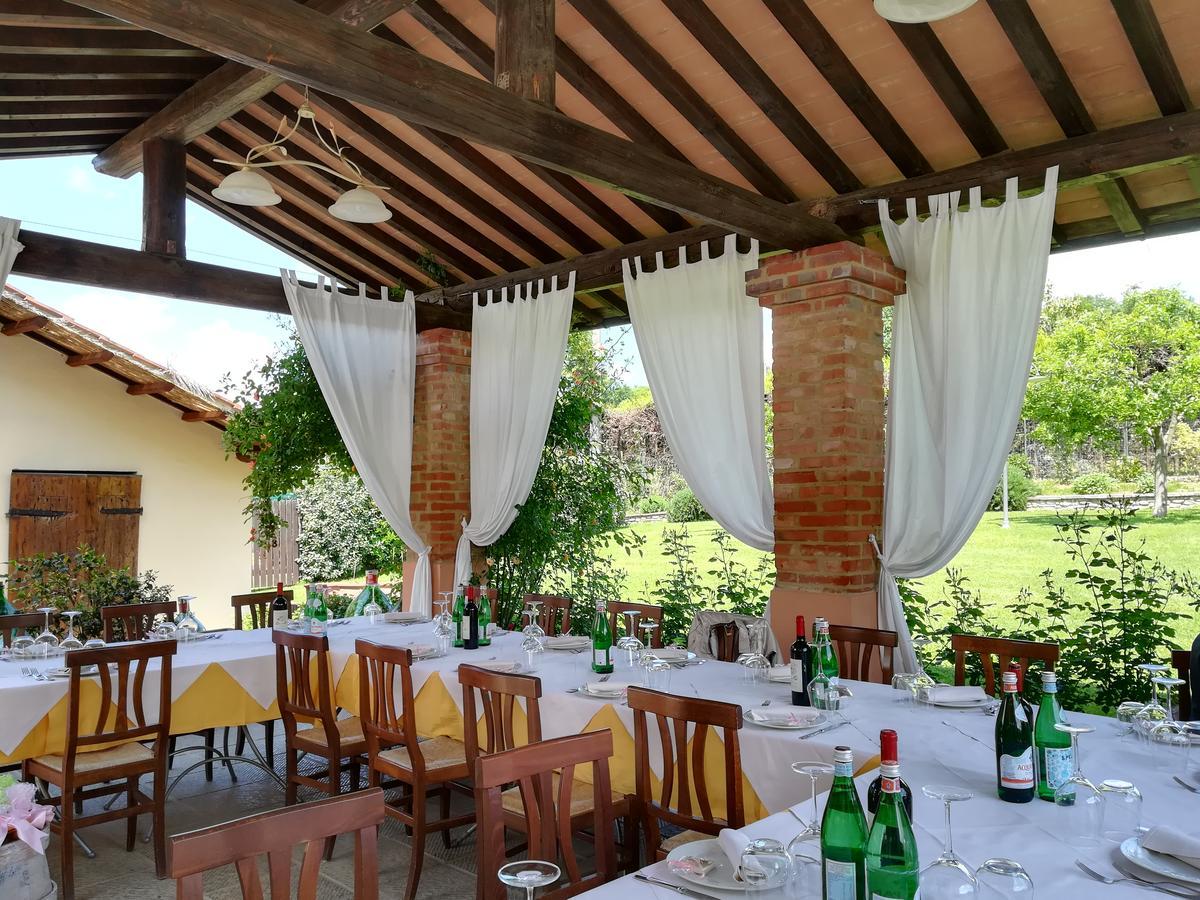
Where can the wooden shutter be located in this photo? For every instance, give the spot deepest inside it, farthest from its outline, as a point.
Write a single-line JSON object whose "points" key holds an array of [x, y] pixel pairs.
{"points": [[58, 512]]}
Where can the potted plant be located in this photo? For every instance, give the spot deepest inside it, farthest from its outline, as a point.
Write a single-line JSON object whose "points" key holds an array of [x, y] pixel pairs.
{"points": [[24, 835]]}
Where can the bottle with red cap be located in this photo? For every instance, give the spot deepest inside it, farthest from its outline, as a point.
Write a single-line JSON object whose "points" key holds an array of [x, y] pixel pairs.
{"points": [[888, 753], [801, 666]]}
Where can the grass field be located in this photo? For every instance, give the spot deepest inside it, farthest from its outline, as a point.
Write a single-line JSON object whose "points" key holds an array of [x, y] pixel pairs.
{"points": [[998, 561]]}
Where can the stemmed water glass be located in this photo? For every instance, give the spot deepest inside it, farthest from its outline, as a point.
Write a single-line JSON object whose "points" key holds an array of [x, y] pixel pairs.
{"points": [[533, 611], [999, 878], [630, 643], [443, 629], [648, 628], [47, 640], [531, 646], [71, 641], [805, 847], [755, 663], [947, 876], [1168, 738], [1082, 799], [529, 874], [1153, 712], [920, 679]]}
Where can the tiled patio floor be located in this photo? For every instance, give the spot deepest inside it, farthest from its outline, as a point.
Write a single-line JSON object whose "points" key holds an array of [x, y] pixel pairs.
{"points": [[195, 803]]}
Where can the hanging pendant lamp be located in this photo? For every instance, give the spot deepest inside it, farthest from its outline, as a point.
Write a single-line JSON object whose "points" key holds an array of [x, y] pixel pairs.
{"points": [[913, 11]]}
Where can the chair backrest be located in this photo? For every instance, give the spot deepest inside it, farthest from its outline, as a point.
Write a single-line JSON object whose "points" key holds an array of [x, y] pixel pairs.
{"points": [[276, 834], [616, 613], [724, 641], [497, 698], [1004, 649], [258, 604], [120, 715], [554, 615], [547, 809], [134, 620], [1182, 662], [857, 647], [387, 718], [10, 625], [683, 797], [296, 658]]}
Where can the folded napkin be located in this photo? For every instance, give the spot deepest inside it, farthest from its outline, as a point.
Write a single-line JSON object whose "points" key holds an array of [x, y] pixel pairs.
{"points": [[420, 650], [1173, 842], [733, 843], [955, 693], [606, 687], [670, 654], [795, 716], [499, 665], [567, 642], [403, 616], [779, 673]]}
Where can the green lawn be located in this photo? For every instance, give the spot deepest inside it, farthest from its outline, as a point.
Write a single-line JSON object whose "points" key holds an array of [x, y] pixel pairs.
{"points": [[998, 561]]}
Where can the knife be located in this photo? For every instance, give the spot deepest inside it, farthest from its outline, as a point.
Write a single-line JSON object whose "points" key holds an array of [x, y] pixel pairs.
{"points": [[686, 892], [805, 737]]}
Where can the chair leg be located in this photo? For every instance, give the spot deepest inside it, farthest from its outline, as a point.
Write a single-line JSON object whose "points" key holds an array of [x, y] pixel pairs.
{"points": [[418, 844], [335, 788], [240, 744], [289, 791], [355, 773], [66, 849], [131, 822], [171, 753], [632, 843], [444, 811], [269, 740], [160, 828], [209, 744]]}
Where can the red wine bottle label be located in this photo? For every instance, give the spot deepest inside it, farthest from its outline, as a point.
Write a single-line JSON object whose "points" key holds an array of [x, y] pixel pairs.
{"points": [[1017, 771]]}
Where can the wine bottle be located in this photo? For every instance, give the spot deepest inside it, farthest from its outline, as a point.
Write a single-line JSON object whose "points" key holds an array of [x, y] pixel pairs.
{"points": [[485, 617], [1015, 778], [372, 601], [185, 618], [460, 605], [801, 666], [889, 743], [843, 834], [891, 859], [471, 622], [279, 608], [1054, 757], [601, 642]]}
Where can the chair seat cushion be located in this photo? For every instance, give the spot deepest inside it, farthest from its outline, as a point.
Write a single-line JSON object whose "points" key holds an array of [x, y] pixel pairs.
{"points": [[684, 837], [101, 759], [582, 798], [439, 752], [350, 732]]}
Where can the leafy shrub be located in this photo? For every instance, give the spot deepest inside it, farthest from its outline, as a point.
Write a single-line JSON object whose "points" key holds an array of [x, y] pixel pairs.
{"points": [[1127, 468], [684, 507], [651, 504], [679, 592], [342, 531], [740, 589], [1093, 483], [1144, 484], [1020, 486]]}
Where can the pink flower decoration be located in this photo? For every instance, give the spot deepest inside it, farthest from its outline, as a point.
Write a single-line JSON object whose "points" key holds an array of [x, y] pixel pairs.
{"points": [[22, 815]]}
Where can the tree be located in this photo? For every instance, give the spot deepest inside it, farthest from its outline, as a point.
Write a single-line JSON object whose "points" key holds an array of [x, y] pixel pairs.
{"points": [[1135, 364]]}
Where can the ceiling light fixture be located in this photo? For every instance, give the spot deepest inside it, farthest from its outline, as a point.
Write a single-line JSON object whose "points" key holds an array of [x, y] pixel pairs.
{"points": [[912, 11], [247, 187]]}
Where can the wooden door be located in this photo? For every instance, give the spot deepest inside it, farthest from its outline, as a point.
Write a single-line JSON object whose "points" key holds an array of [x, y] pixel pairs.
{"points": [[58, 512]]}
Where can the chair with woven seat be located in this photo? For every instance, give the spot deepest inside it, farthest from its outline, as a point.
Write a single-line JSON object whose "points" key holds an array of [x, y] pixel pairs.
{"points": [[276, 834], [683, 798], [554, 615], [1004, 649], [493, 696], [616, 614], [19, 623], [541, 772], [91, 766], [395, 752], [258, 605], [857, 648]]}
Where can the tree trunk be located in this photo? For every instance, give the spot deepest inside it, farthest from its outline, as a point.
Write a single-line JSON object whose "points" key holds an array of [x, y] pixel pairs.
{"points": [[1159, 438]]}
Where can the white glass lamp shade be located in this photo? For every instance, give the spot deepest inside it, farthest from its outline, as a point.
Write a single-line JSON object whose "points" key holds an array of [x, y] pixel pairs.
{"points": [[910, 11], [360, 205], [246, 187]]}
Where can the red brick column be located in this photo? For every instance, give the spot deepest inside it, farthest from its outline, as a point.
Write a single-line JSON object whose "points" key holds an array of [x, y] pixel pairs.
{"points": [[441, 457], [827, 335]]}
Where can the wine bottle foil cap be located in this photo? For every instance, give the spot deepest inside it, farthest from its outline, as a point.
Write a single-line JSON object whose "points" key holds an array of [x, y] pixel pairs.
{"points": [[843, 755], [1010, 678], [889, 770]]}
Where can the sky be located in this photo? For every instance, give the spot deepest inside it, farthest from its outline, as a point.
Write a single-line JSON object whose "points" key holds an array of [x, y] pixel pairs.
{"points": [[64, 195]]}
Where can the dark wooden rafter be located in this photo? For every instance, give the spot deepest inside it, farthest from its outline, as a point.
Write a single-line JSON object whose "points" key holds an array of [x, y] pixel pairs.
{"points": [[41, 128], [203, 415], [638, 52], [949, 84], [741, 66], [25, 65], [25, 326], [51, 110], [1054, 84], [1153, 54], [53, 14], [227, 91], [164, 190], [34, 90], [149, 388], [525, 49], [94, 358], [90, 41], [806, 30]]}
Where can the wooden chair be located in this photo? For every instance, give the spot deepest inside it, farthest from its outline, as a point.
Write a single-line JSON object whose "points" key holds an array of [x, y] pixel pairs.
{"points": [[554, 615], [1004, 649], [496, 695], [133, 621], [725, 641], [856, 648], [543, 773], [683, 797], [617, 609], [276, 834], [81, 766], [1182, 661], [339, 741], [10, 625], [258, 604], [395, 752]]}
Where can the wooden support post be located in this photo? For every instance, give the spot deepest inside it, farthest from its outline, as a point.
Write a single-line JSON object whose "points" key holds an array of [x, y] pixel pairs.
{"points": [[525, 49], [164, 188]]}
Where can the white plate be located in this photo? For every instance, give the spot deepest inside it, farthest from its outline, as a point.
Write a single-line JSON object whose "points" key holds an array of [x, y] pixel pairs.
{"points": [[780, 674], [806, 718], [618, 691], [961, 704], [720, 877], [577, 642], [1159, 863], [676, 656]]}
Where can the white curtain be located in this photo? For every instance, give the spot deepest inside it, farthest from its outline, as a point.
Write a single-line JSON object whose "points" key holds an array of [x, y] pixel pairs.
{"points": [[9, 246], [517, 352], [701, 341], [962, 343], [364, 354]]}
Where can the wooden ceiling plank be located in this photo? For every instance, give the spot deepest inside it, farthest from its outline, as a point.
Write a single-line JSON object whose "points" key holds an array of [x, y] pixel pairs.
{"points": [[1153, 54], [12, 146], [54, 14], [741, 66], [949, 84], [94, 41], [227, 91], [525, 49], [638, 52], [806, 30], [25, 326], [52, 110], [37, 90], [24, 65], [43, 128]]}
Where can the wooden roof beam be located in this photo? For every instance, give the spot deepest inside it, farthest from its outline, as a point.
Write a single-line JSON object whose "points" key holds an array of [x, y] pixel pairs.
{"points": [[95, 358], [525, 49], [227, 91], [25, 326], [203, 415], [149, 388], [1153, 54], [164, 191]]}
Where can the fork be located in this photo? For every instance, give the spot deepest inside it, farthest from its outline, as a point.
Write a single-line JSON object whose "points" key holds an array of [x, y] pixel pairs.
{"points": [[1164, 885], [604, 678], [1104, 879], [1189, 786], [765, 703]]}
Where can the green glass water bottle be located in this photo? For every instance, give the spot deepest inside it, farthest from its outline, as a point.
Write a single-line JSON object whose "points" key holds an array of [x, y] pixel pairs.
{"points": [[843, 835], [827, 660], [891, 861], [601, 642], [1054, 758], [485, 617], [6, 608]]}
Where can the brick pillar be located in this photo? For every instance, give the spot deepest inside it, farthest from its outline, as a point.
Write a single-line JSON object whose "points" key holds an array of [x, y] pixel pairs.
{"points": [[441, 458], [827, 337]]}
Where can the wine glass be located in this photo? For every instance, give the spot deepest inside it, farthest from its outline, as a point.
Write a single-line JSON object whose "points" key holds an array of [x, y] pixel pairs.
{"points": [[533, 609], [47, 641], [1169, 684], [903, 681], [947, 876], [529, 874], [805, 847], [630, 643], [71, 641], [1003, 878], [531, 646], [164, 631], [443, 629], [1079, 797], [755, 663], [372, 611], [22, 645], [921, 679], [94, 644], [648, 627], [1153, 712]]}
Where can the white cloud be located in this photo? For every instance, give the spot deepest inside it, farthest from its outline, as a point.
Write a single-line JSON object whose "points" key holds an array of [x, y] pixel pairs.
{"points": [[84, 180], [137, 321], [209, 352]]}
